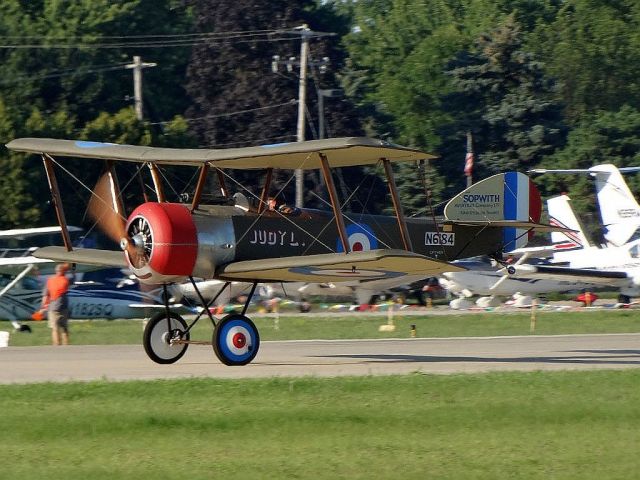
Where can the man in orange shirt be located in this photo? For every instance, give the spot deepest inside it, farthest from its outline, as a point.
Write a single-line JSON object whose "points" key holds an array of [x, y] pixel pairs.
{"points": [[55, 297]]}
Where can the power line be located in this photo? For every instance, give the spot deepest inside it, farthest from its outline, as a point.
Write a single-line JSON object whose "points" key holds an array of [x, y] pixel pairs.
{"points": [[186, 40], [64, 73], [228, 114], [169, 35]]}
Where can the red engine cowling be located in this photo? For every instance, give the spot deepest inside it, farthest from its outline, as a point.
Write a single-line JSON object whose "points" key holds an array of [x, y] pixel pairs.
{"points": [[163, 242]]}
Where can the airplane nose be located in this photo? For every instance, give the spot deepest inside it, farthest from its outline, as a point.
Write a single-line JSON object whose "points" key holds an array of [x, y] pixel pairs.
{"points": [[164, 238]]}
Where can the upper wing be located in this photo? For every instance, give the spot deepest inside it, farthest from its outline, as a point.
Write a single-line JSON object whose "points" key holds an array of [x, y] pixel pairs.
{"points": [[336, 267], [340, 152], [86, 256]]}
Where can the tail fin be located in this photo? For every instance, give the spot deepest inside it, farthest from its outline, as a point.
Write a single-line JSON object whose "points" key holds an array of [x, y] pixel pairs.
{"points": [[619, 209], [561, 215], [506, 196]]}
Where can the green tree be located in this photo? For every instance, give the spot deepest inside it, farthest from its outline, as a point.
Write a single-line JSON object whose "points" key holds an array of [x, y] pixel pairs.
{"points": [[593, 48], [56, 55], [16, 193], [239, 101], [506, 102], [604, 137]]}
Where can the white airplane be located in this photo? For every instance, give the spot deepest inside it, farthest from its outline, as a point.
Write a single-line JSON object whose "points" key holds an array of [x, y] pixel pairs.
{"points": [[615, 265], [619, 209], [493, 283]]}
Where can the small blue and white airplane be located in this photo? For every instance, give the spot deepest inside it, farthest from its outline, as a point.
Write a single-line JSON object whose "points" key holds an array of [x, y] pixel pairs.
{"points": [[96, 293]]}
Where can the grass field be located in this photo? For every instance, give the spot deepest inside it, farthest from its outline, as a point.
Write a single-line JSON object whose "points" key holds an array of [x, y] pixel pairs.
{"points": [[102, 332], [563, 425]]}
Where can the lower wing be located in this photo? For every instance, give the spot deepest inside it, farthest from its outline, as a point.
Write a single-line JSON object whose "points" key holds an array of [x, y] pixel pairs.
{"points": [[336, 267], [85, 256]]}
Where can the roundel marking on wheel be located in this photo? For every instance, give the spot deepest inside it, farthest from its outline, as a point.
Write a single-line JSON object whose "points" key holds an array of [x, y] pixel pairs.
{"points": [[360, 237], [345, 272], [157, 338], [236, 340]]}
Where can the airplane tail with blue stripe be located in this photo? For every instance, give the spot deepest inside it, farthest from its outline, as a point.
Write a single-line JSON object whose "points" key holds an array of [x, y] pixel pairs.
{"points": [[502, 200]]}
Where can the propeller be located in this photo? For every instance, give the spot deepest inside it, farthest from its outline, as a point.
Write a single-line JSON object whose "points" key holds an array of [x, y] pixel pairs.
{"points": [[509, 270], [137, 241]]}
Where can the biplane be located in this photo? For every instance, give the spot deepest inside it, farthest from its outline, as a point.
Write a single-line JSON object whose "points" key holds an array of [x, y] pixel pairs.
{"points": [[165, 242]]}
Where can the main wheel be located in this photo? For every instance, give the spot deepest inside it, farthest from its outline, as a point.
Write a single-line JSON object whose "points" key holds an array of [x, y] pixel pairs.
{"points": [[235, 340], [158, 336], [626, 299]]}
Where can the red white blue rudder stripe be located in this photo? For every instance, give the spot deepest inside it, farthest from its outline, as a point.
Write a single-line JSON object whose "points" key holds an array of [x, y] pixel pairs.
{"points": [[522, 202]]}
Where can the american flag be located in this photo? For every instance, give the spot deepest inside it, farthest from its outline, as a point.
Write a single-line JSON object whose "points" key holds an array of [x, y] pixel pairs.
{"points": [[468, 164]]}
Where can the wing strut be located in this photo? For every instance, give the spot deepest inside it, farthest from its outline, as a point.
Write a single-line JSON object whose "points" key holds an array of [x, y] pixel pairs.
{"points": [[18, 277], [264, 196], [333, 196], [397, 206], [222, 183], [200, 186], [57, 200], [157, 181], [116, 197]]}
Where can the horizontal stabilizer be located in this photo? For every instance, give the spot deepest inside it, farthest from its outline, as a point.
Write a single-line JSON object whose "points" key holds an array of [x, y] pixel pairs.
{"points": [[337, 267], [540, 227], [86, 256]]}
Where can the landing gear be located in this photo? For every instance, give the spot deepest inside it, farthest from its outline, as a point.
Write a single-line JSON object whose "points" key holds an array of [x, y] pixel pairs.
{"points": [[626, 299], [165, 339], [236, 340]]}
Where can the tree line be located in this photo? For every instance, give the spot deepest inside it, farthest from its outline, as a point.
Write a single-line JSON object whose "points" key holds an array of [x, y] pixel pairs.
{"points": [[531, 82]]}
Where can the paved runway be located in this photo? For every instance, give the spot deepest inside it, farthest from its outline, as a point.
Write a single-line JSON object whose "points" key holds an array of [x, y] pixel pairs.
{"points": [[328, 358]]}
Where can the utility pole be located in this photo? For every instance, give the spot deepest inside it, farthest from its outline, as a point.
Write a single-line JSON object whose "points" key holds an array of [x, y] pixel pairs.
{"points": [[137, 67], [305, 34], [302, 101]]}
